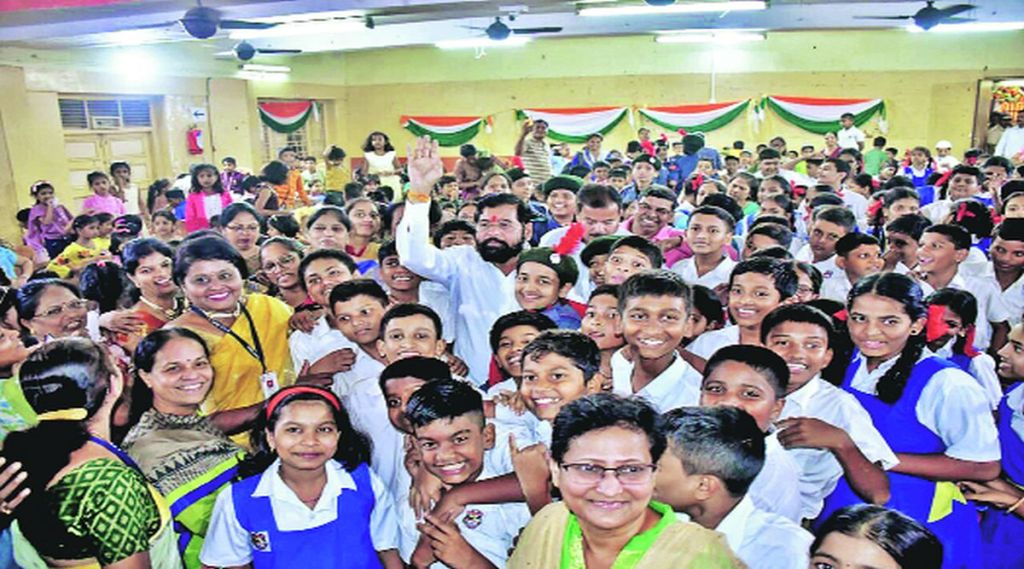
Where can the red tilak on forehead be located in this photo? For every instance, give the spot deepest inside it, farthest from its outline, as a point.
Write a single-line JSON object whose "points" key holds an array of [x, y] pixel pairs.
{"points": [[494, 218]]}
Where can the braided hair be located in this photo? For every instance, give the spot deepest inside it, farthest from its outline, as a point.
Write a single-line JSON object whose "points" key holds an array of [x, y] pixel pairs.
{"points": [[907, 293]]}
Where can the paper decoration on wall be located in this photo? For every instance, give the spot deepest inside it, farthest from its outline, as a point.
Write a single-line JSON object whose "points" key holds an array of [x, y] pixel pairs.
{"points": [[447, 131], [695, 118], [820, 116], [285, 116], [576, 124]]}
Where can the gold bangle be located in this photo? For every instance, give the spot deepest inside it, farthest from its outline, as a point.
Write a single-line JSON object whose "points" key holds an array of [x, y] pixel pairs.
{"points": [[1015, 506]]}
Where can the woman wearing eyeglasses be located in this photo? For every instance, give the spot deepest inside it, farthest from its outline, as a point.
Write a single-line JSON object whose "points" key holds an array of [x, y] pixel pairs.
{"points": [[52, 308], [603, 455], [279, 261], [240, 224]]}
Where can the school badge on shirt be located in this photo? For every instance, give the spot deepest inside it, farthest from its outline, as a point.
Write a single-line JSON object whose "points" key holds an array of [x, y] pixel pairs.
{"points": [[260, 541], [473, 518]]}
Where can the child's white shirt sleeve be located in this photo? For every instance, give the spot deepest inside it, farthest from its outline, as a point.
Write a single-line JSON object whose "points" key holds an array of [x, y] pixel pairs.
{"points": [[384, 517], [953, 406], [227, 542]]}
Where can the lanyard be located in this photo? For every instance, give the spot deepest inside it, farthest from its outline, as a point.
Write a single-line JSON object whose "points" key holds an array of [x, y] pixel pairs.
{"points": [[116, 451], [255, 350]]}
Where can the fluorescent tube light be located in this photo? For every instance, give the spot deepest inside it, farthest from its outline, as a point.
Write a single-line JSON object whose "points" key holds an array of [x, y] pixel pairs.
{"points": [[308, 28], [266, 68], [971, 27], [262, 76], [716, 38], [685, 8], [471, 43]]}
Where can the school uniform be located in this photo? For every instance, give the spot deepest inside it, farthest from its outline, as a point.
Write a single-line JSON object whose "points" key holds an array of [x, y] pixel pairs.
{"points": [[942, 410], [819, 468], [708, 343], [981, 367], [836, 288], [687, 268], [938, 210], [480, 291], [437, 298], [990, 303], [828, 267], [1013, 295], [260, 520], [919, 178], [856, 203], [527, 428], [677, 386], [1001, 532], [764, 540], [773, 490], [580, 292], [314, 345]]}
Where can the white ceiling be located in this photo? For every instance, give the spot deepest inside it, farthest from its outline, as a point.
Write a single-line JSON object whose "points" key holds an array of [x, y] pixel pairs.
{"points": [[412, 22]]}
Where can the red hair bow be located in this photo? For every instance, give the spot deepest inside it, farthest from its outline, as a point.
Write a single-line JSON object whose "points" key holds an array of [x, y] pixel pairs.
{"points": [[943, 179], [962, 212], [842, 315]]}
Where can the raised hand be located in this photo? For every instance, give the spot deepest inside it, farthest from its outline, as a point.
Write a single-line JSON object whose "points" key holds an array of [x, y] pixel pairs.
{"points": [[425, 168]]}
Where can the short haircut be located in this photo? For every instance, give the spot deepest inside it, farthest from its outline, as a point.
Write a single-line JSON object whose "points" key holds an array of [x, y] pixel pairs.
{"points": [[601, 411], [838, 215], [346, 291], [842, 166], [851, 241], [768, 154], [778, 233], [773, 252], [569, 344], [405, 310], [966, 170], [708, 305], [229, 160], [598, 196], [781, 273], [137, 249], [802, 313], [715, 211], [993, 161], [959, 236], [519, 318], [387, 249], [724, 442], [445, 399], [893, 195], [846, 116], [828, 198], [420, 367], [1010, 230], [659, 282], [452, 226], [910, 225], [523, 213], [602, 290], [879, 141], [763, 361], [645, 246], [659, 192], [340, 256], [329, 210], [725, 203]]}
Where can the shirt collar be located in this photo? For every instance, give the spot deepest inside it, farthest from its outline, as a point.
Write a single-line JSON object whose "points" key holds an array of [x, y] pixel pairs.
{"points": [[801, 398], [272, 486], [734, 524]]}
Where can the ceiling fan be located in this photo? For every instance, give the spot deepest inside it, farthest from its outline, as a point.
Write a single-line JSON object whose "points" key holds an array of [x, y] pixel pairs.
{"points": [[928, 17], [202, 22], [499, 31], [245, 51]]}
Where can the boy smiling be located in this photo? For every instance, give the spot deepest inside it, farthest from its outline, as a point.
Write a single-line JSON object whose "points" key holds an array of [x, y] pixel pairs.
{"points": [[543, 279]]}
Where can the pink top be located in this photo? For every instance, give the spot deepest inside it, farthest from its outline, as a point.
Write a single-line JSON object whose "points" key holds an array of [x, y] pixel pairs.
{"points": [[672, 256], [195, 210], [110, 204]]}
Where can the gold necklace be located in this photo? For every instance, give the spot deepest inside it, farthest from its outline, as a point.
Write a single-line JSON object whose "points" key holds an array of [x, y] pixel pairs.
{"points": [[168, 313]]}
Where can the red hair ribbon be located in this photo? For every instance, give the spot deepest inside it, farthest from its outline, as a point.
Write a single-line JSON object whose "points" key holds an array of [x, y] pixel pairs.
{"points": [[936, 326], [275, 400], [799, 191], [698, 180], [969, 343], [874, 208], [943, 179], [875, 184], [648, 147], [842, 315], [962, 212], [567, 244]]}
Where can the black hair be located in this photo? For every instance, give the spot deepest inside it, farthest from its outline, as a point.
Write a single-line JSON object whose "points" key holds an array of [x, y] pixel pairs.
{"points": [[96, 175], [570, 344], [368, 145], [354, 447], [727, 218], [763, 361], [976, 217], [910, 543], [778, 233], [905, 291], [787, 204], [518, 318], [601, 411], [826, 199], [605, 289], [292, 245], [107, 284], [30, 293], [1010, 230], [387, 249], [769, 154], [959, 236], [708, 305], [773, 252], [234, 210], [137, 249], [452, 226], [659, 192], [658, 282], [405, 310], [80, 221], [961, 302], [879, 142], [443, 399], [838, 215], [645, 246], [598, 196], [346, 291], [103, 217], [285, 223], [329, 210], [781, 272], [787, 188], [851, 241], [724, 442], [801, 313], [154, 190], [352, 190], [864, 180], [206, 248], [912, 226], [596, 247], [340, 256], [217, 185], [229, 160], [994, 161], [420, 367], [523, 213], [1007, 191], [144, 359], [334, 153], [724, 202]]}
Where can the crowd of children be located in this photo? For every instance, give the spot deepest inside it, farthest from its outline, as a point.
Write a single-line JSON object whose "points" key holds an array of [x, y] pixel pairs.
{"points": [[672, 356]]}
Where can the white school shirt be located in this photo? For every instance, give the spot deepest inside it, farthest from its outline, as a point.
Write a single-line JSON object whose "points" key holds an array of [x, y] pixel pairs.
{"points": [[687, 268], [580, 292], [952, 405], [829, 269], [527, 428], [774, 489], [983, 368], [990, 304], [708, 343], [836, 288], [1013, 296], [479, 291], [937, 211], [321, 341], [764, 540], [677, 386], [858, 204], [849, 137], [820, 470], [437, 297], [227, 542]]}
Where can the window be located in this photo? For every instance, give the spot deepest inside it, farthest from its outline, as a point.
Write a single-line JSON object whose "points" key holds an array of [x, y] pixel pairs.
{"points": [[308, 140], [104, 114]]}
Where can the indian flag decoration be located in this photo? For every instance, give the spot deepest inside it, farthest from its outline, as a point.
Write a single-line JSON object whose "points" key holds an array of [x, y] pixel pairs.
{"points": [[447, 131], [821, 116], [695, 118], [576, 124], [285, 116]]}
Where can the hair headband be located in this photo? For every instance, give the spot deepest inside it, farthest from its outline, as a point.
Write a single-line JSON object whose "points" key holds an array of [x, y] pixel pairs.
{"points": [[275, 401]]}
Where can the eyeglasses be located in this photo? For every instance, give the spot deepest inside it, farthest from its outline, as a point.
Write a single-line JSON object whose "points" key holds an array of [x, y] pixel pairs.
{"points": [[244, 228], [627, 474], [285, 261], [71, 306]]}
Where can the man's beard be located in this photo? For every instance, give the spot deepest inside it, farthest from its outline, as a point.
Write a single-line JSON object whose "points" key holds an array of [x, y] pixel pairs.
{"points": [[494, 250]]}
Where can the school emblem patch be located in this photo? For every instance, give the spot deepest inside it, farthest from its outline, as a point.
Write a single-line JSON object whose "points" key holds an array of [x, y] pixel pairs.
{"points": [[260, 541], [473, 518]]}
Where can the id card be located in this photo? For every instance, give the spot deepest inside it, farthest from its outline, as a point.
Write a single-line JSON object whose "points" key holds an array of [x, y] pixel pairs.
{"points": [[269, 384]]}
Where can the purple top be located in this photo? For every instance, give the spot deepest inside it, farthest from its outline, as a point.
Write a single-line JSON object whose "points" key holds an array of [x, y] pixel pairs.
{"points": [[38, 231]]}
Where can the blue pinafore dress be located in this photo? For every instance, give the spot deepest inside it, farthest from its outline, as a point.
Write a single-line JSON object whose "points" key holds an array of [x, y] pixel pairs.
{"points": [[1003, 534], [958, 530], [344, 543]]}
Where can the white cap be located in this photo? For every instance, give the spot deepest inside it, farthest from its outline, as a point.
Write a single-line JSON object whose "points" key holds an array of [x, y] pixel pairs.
{"points": [[943, 144]]}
